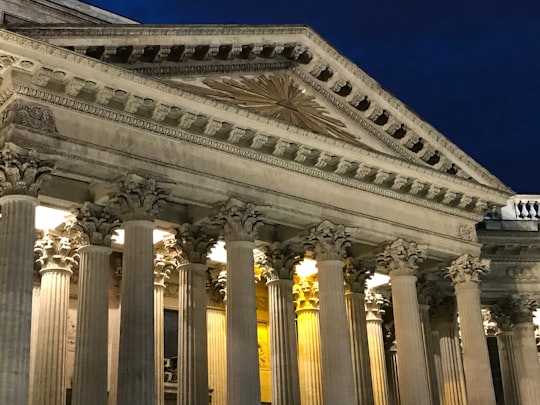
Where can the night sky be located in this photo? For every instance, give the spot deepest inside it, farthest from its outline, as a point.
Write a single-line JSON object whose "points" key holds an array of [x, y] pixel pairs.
{"points": [[469, 68]]}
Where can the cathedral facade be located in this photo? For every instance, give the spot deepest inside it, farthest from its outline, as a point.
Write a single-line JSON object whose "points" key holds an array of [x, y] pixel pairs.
{"points": [[240, 215]]}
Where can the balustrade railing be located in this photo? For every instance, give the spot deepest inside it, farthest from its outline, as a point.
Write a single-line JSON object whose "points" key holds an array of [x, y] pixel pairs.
{"points": [[521, 207]]}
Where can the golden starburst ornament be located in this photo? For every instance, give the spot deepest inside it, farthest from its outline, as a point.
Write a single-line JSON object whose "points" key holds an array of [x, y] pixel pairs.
{"points": [[278, 96]]}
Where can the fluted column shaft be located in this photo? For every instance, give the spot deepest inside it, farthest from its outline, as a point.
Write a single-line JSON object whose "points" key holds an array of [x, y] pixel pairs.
{"points": [[478, 379], [136, 371], [16, 273], [375, 340], [159, 343], [36, 292], [91, 345], [192, 344], [412, 371], [217, 355], [529, 367], [452, 383], [509, 361], [393, 378], [356, 311], [429, 353], [309, 356], [283, 346], [50, 384], [337, 369], [243, 380]]}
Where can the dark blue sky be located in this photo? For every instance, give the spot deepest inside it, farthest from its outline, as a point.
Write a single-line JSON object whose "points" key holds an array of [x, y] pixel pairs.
{"points": [[470, 68]]}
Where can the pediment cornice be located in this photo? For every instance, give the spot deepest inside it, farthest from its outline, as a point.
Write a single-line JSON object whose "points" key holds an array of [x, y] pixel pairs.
{"points": [[252, 48], [54, 75]]}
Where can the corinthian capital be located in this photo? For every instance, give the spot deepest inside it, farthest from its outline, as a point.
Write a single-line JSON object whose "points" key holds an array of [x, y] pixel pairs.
{"points": [[374, 306], [239, 220], [357, 273], [22, 172], [401, 257], [467, 269], [429, 292], [55, 251], [328, 241], [92, 224], [514, 309], [138, 198], [278, 261], [306, 293], [194, 244], [163, 265]]}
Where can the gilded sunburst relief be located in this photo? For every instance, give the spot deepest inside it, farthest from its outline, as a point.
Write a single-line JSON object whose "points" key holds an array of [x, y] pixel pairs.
{"points": [[278, 96]]}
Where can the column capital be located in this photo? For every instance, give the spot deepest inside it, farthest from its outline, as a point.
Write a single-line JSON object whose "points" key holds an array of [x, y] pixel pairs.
{"points": [[467, 269], [194, 243], [444, 310], [239, 220], [400, 258], [216, 284], [357, 273], [514, 310], [306, 293], [164, 263], [92, 224], [278, 261], [138, 198], [22, 171], [374, 306], [429, 292], [328, 241], [55, 252]]}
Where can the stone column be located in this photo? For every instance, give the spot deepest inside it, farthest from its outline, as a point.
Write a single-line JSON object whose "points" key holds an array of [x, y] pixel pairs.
{"points": [[92, 228], [508, 359], [55, 257], [193, 246], [36, 291], [162, 269], [519, 353], [356, 276], [306, 297], [465, 272], [278, 264], [22, 174], [138, 201], [429, 294], [329, 242], [374, 312], [392, 371], [240, 221], [452, 380], [217, 345], [399, 260]]}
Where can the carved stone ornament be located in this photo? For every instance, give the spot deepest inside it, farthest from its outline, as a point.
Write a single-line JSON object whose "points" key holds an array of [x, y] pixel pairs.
{"points": [[55, 251], [138, 198], [467, 268], [429, 292], [194, 243], [401, 257], [216, 284], [33, 116], [22, 172], [357, 273], [163, 266], [306, 293], [375, 304], [92, 224], [444, 310], [328, 241], [239, 220], [514, 309], [467, 232], [278, 261]]}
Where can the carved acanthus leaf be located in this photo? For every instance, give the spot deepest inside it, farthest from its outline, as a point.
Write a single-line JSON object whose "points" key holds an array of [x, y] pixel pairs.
{"points": [[92, 224], [328, 241], [194, 243], [55, 251], [374, 305], [514, 310], [467, 268], [429, 292], [22, 171], [357, 273], [401, 257], [239, 220], [306, 293], [278, 261], [138, 198], [33, 116]]}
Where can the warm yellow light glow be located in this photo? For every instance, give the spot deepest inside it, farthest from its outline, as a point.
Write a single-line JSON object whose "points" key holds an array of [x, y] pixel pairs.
{"points": [[118, 237], [306, 268], [377, 280], [49, 218]]}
